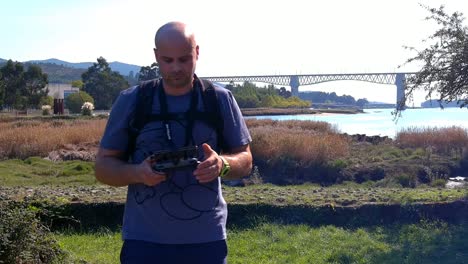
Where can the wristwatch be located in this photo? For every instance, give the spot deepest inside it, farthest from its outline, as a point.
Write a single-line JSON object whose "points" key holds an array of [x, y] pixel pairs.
{"points": [[226, 167]]}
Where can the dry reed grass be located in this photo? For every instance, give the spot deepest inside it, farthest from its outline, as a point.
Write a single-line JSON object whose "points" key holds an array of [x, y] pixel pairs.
{"points": [[305, 142], [316, 126], [26, 138], [441, 140]]}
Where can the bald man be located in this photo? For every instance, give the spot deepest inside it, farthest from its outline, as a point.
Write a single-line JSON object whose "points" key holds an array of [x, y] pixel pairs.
{"points": [[177, 216]]}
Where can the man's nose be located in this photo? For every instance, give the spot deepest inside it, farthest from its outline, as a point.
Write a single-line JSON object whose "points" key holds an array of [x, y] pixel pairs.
{"points": [[176, 67]]}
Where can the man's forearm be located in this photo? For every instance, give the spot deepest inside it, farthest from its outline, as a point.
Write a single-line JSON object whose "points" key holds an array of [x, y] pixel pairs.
{"points": [[115, 172], [241, 164]]}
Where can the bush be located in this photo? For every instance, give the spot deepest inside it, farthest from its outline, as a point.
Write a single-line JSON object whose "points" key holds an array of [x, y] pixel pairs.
{"points": [[438, 183], [46, 100], [87, 109], [46, 109], [23, 239], [445, 140], [75, 101], [406, 180]]}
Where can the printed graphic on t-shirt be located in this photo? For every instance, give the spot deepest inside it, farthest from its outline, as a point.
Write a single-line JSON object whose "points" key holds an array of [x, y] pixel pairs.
{"points": [[181, 197]]}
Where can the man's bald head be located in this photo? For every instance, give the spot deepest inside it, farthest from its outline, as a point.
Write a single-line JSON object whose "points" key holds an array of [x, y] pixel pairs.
{"points": [[176, 53], [175, 31]]}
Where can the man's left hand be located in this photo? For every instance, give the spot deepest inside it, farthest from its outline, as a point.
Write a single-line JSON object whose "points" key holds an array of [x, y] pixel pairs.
{"points": [[209, 169]]}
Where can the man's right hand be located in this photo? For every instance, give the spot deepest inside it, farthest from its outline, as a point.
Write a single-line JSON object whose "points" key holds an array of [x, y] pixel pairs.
{"points": [[147, 175], [112, 169]]}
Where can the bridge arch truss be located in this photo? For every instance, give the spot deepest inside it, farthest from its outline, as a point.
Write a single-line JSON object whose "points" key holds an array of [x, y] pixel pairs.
{"points": [[294, 81], [309, 79]]}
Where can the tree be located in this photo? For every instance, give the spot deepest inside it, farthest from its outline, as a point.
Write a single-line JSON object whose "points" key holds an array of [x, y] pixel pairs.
{"points": [[77, 84], [149, 72], [20, 89], [47, 100], [445, 60], [230, 85], [284, 93], [362, 102], [131, 78], [35, 85], [103, 84], [13, 81], [2, 92]]}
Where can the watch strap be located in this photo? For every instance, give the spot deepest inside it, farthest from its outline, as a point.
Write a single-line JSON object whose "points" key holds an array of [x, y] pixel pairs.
{"points": [[226, 167]]}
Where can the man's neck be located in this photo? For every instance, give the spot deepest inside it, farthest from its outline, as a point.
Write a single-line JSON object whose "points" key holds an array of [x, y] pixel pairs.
{"points": [[177, 91]]}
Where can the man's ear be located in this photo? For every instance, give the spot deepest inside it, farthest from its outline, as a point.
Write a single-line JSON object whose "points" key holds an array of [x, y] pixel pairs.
{"points": [[197, 50], [155, 53]]}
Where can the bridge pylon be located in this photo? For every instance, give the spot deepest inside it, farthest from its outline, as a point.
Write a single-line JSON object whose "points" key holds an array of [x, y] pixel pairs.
{"points": [[294, 83], [400, 82]]}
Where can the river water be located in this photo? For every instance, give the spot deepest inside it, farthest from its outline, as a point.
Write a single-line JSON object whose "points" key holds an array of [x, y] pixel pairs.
{"points": [[381, 122]]}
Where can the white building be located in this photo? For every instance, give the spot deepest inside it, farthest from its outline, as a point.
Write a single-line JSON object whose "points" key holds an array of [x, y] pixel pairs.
{"points": [[61, 90]]}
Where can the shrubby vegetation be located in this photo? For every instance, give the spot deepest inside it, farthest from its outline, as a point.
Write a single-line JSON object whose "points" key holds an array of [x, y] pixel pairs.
{"points": [[75, 101], [332, 98], [24, 239], [248, 95], [47, 100]]}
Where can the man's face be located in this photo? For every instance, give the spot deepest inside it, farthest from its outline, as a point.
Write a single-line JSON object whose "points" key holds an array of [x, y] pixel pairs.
{"points": [[177, 60]]}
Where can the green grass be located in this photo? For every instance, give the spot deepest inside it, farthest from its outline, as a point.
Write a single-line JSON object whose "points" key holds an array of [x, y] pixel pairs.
{"points": [[425, 242], [100, 247], [36, 171]]}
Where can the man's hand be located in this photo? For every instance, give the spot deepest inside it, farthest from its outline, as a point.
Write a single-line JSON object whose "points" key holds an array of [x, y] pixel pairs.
{"points": [[209, 169], [113, 170], [147, 175]]}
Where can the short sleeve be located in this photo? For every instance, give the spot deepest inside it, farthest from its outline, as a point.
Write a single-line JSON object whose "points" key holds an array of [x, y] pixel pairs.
{"points": [[116, 132], [235, 132]]}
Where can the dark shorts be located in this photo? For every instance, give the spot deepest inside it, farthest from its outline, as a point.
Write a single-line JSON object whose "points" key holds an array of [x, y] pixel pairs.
{"points": [[142, 252]]}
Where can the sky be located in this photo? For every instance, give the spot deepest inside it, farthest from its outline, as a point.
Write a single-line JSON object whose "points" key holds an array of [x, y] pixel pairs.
{"points": [[241, 37]]}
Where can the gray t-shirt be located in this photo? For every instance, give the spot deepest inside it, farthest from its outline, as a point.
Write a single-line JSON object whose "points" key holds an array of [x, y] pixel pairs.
{"points": [[180, 210]]}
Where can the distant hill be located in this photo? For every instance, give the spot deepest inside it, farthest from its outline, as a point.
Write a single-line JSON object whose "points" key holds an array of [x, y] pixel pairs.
{"points": [[122, 68], [60, 71]]}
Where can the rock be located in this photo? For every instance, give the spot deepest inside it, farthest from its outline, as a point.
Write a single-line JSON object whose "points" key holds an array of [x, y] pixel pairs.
{"points": [[374, 140], [457, 182], [458, 179], [74, 152]]}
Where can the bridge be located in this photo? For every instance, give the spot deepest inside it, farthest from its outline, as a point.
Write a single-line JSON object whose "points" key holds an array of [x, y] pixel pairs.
{"points": [[294, 81]]}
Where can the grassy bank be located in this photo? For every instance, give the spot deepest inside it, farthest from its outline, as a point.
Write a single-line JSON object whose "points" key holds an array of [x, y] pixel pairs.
{"points": [[36, 171], [285, 152], [69, 181]]}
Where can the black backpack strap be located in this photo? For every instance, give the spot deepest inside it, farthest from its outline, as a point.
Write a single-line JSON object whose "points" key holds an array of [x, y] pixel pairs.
{"points": [[143, 112], [143, 109], [211, 104]]}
